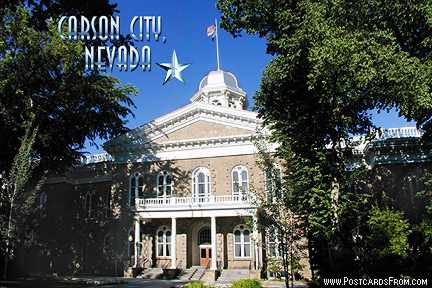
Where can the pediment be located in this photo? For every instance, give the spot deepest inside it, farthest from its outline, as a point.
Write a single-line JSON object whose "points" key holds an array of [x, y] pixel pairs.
{"points": [[202, 129], [190, 123]]}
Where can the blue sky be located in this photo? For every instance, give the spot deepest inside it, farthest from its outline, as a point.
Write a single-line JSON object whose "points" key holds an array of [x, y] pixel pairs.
{"points": [[184, 25]]}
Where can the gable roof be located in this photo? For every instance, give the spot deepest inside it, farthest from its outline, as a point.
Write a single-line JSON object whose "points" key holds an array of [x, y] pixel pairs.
{"points": [[195, 124]]}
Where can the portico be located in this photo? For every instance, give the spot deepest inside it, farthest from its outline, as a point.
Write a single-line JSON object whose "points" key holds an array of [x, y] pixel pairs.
{"points": [[186, 238]]}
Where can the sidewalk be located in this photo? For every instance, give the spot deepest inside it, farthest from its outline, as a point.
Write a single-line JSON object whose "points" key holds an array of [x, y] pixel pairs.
{"points": [[281, 284], [96, 281], [54, 281]]}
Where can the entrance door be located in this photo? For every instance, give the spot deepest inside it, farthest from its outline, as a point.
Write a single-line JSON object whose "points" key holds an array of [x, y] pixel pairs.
{"points": [[205, 256]]}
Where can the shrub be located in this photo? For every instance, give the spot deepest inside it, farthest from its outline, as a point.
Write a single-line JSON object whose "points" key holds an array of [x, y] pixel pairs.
{"points": [[247, 283], [197, 284], [389, 232]]}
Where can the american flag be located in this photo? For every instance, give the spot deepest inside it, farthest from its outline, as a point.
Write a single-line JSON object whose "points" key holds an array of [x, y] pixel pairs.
{"points": [[211, 31]]}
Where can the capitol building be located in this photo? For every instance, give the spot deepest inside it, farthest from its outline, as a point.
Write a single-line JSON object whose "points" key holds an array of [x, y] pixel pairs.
{"points": [[176, 194]]}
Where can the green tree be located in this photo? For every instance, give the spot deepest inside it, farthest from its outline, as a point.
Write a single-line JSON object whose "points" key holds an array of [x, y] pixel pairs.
{"points": [[12, 190], [280, 223], [70, 105], [334, 62], [389, 232]]}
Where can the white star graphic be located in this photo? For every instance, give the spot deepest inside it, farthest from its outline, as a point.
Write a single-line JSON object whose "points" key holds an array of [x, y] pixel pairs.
{"points": [[173, 69]]}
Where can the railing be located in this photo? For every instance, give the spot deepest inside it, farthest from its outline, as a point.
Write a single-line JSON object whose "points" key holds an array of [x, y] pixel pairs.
{"points": [[404, 132], [96, 158], [211, 200]]}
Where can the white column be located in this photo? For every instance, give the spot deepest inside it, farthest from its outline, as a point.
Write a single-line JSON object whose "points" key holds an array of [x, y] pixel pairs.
{"points": [[255, 241], [260, 251], [213, 244], [137, 240], [173, 242]]}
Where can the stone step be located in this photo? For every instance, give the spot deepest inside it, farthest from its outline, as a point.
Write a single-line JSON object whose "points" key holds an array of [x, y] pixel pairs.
{"points": [[187, 274], [230, 275], [193, 273], [199, 273], [151, 273]]}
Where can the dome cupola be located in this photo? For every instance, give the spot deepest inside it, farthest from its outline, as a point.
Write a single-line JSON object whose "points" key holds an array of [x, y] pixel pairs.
{"points": [[220, 88]]}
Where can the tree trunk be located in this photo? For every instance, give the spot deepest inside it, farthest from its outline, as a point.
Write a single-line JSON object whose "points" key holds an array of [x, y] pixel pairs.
{"points": [[7, 252]]}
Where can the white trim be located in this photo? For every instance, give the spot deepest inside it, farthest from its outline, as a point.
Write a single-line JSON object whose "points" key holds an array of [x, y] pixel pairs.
{"points": [[276, 237], [242, 242], [239, 169], [136, 176], [192, 106], [233, 124], [206, 183], [272, 193], [164, 242], [184, 114], [207, 227], [165, 174], [231, 211], [213, 265], [207, 141], [89, 180], [197, 152], [88, 211], [205, 246], [173, 243]]}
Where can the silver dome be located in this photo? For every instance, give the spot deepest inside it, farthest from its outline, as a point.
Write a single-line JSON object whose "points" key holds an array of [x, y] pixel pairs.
{"points": [[219, 78]]}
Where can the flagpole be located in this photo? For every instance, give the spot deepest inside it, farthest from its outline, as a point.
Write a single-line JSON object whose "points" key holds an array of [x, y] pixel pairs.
{"points": [[217, 45]]}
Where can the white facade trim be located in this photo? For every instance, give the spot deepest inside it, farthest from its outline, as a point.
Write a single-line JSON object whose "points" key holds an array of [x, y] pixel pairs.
{"points": [[233, 124], [78, 181], [187, 213], [200, 153], [170, 121], [211, 108]]}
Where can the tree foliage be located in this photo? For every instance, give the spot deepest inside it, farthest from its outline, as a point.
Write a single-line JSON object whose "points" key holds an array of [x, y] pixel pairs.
{"points": [[43, 82], [12, 188], [70, 105], [388, 232], [334, 62]]}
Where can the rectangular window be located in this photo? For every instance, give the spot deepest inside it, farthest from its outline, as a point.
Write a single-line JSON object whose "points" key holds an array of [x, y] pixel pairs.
{"points": [[201, 189], [160, 250], [247, 250], [168, 250], [237, 250]]}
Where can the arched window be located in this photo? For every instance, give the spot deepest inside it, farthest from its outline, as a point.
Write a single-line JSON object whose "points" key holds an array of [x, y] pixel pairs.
{"points": [[273, 242], [163, 241], [204, 236], [41, 200], [164, 184], [201, 183], [217, 103], [273, 183], [90, 203], [242, 242], [108, 204], [240, 181], [136, 188]]}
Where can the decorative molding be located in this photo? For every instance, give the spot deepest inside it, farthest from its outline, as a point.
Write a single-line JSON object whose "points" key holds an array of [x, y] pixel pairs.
{"points": [[184, 116], [78, 181]]}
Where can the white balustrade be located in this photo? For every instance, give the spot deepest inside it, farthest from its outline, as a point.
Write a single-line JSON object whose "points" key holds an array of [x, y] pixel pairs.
{"points": [[96, 158], [211, 200], [404, 132]]}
